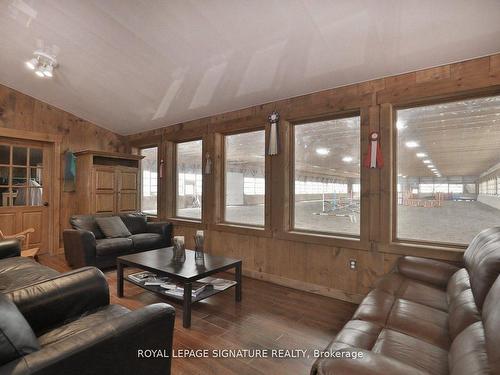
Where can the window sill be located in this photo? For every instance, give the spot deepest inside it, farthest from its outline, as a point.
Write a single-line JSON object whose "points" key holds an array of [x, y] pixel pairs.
{"points": [[241, 229], [186, 222], [326, 239]]}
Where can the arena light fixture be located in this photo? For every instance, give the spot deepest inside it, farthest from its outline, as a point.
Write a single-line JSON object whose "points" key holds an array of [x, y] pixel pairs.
{"points": [[322, 151], [412, 144], [42, 64]]}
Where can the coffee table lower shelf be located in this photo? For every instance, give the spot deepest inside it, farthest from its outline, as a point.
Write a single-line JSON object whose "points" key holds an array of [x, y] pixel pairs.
{"points": [[161, 291]]}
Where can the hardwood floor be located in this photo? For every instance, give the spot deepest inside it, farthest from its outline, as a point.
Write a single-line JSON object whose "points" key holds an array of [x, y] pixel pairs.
{"points": [[270, 317]]}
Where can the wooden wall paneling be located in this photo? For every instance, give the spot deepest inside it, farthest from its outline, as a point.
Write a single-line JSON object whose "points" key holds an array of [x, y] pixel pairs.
{"points": [[169, 179], [365, 174], [374, 218], [386, 173], [320, 263], [21, 113]]}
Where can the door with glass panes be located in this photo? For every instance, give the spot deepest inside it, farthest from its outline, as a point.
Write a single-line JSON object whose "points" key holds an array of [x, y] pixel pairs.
{"points": [[25, 189]]}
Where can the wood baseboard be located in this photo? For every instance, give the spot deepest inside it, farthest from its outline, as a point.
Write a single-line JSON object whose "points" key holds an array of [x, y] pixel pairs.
{"points": [[304, 286]]}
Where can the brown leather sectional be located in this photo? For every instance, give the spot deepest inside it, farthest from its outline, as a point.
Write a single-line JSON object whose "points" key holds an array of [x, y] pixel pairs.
{"points": [[426, 317]]}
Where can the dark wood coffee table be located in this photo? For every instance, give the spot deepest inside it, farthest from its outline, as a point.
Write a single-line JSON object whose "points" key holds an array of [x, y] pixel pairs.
{"points": [[160, 262]]}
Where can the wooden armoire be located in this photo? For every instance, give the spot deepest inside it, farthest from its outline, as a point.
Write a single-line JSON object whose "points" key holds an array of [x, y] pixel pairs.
{"points": [[107, 182]]}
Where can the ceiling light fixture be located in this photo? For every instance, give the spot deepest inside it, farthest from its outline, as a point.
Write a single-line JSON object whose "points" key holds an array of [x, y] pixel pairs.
{"points": [[411, 144], [430, 166], [421, 155], [322, 151], [427, 161], [347, 159], [42, 63]]}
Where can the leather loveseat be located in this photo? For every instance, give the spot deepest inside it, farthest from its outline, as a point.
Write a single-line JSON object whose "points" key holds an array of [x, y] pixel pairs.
{"points": [[426, 317], [86, 245], [66, 325], [16, 271]]}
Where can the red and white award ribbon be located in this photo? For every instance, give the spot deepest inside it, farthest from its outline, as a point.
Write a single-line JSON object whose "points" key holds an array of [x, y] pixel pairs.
{"points": [[373, 158]]}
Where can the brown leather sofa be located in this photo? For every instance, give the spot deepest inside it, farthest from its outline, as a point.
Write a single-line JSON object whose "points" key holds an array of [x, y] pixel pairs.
{"points": [[426, 317]]}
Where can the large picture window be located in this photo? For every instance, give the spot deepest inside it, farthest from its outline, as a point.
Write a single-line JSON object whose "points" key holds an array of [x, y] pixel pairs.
{"points": [[327, 176], [245, 183], [149, 179], [189, 179], [448, 158]]}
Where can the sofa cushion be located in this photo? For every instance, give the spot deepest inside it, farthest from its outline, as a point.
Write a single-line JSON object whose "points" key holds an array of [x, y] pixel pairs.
{"points": [[16, 336], [86, 222], [82, 323], [148, 241], [135, 223], [112, 227], [402, 287], [19, 272], [482, 261], [109, 246], [412, 351]]}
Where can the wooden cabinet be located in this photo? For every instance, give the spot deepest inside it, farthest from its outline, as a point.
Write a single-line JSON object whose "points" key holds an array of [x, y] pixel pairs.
{"points": [[107, 183]]}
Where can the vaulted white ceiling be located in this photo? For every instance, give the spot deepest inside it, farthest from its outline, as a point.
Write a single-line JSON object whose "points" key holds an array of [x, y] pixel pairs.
{"points": [[135, 65]]}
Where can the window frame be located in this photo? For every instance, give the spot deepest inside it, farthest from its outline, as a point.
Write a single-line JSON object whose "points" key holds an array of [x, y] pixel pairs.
{"points": [[221, 219], [175, 188], [388, 116], [321, 235], [158, 188]]}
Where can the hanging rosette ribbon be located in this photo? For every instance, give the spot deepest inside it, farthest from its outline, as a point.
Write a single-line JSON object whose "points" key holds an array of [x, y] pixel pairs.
{"points": [[274, 117], [373, 158]]}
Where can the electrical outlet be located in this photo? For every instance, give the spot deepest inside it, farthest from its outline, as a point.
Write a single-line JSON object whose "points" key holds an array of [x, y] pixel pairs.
{"points": [[353, 264]]}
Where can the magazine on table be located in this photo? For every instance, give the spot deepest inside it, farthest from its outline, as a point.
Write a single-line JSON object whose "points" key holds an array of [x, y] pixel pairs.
{"points": [[177, 289], [148, 278], [218, 284]]}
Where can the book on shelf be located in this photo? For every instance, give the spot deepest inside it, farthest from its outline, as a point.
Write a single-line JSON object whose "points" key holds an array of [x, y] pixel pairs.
{"points": [[140, 277], [177, 289], [148, 278], [218, 284]]}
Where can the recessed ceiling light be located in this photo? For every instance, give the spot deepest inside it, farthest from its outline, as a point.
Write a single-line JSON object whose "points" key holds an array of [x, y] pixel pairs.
{"points": [[322, 151], [427, 161], [400, 175], [347, 159], [404, 176], [411, 144], [421, 154], [430, 166]]}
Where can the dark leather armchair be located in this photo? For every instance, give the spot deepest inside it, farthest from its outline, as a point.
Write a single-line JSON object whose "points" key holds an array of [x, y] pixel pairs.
{"points": [[86, 245], [10, 248], [68, 327]]}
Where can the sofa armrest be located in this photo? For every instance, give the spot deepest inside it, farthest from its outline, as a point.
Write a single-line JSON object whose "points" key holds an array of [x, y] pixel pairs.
{"points": [[426, 270], [367, 363], [10, 248], [54, 301], [79, 247], [162, 228], [111, 348]]}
